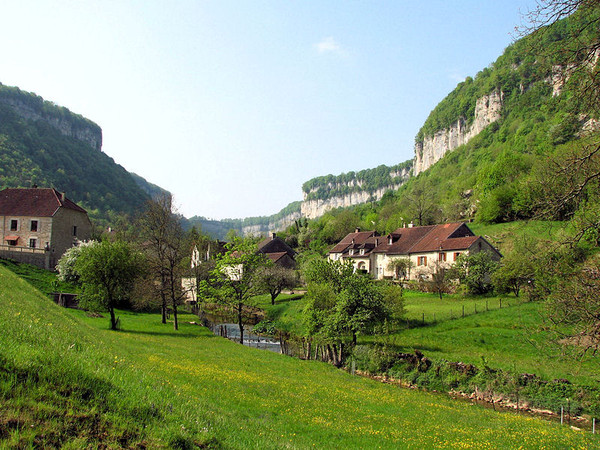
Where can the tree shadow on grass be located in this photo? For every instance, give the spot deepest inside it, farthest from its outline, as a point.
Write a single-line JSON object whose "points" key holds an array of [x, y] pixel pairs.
{"points": [[170, 334]]}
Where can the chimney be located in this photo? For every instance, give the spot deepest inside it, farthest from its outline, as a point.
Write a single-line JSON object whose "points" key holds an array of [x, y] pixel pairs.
{"points": [[273, 235], [376, 242], [357, 230], [410, 225], [62, 196]]}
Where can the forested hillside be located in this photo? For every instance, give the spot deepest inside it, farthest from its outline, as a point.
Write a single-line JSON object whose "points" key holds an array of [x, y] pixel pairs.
{"points": [[47, 145]]}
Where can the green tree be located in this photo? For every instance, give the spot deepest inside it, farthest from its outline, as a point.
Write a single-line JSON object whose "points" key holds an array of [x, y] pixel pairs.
{"points": [[236, 278], [475, 271], [273, 279], [107, 271]]}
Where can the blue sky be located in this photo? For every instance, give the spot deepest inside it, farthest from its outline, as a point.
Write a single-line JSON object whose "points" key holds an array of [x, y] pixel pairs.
{"points": [[232, 105]]}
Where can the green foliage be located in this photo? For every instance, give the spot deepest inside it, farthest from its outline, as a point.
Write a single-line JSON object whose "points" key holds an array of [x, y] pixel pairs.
{"points": [[475, 271], [107, 271]]}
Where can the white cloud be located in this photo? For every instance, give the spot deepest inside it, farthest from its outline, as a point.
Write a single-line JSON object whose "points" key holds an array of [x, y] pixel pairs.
{"points": [[327, 45], [456, 77]]}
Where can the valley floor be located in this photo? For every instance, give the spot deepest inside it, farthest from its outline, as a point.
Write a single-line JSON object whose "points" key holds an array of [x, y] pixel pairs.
{"points": [[66, 380]]}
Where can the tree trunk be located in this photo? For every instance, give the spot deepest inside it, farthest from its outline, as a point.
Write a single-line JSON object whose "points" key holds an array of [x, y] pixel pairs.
{"points": [[175, 323], [354, 338], [308, 349], [163, 307], [113, 320], [273, 297], [240, 322]]}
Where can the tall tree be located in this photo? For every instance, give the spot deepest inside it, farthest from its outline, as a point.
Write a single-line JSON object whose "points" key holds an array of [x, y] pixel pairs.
{"points": [[107, 271], [163, 241]]}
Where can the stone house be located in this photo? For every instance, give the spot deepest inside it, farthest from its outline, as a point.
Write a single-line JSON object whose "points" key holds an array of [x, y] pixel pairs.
{"points": [[37, 225], [425, 247]]}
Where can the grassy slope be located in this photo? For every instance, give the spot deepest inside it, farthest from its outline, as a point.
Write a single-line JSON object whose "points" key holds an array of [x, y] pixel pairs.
{"points": [[68, 381], [508, 338]]}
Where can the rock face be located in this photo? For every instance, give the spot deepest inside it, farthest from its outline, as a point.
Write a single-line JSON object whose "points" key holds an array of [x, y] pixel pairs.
{"points": [[90, 134], [312, 209], [276, 225], [433, 148]]}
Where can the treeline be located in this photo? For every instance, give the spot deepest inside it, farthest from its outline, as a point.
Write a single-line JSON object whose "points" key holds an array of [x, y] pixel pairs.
{"points": [[368, 180]]}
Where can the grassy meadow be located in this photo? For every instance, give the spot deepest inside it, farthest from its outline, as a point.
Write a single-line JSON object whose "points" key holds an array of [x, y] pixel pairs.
{"points": [[67, 381]]}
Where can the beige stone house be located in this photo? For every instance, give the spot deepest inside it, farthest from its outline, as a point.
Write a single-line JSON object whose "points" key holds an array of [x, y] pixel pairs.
{"points": [[38, 225], [425, 247]]}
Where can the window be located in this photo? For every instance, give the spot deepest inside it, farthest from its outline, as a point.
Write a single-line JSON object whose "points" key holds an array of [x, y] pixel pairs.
{"points": [[33, 243], [74, 230], [12, 242], [422, 261], [456, 255], [14, 225], [34, 225], [442, 256], [362, 251], [351, 252]]}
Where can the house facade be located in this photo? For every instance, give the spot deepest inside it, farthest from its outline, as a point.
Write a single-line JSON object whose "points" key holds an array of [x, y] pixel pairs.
{"points": [[38, 225], [421, 248]]}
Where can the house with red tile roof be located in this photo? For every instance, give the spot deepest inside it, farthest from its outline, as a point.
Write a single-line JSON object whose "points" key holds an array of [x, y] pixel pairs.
{"points": [[37, 225], [425, 247]]}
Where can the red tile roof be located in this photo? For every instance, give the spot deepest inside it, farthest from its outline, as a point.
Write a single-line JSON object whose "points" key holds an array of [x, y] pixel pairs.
{"points": [[461, 243], [35, 202], [434, 239], [404, 241], [356, 238]]}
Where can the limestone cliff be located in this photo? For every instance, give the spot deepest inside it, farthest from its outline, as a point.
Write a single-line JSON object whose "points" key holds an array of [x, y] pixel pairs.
{"points": [[272, 225], [325, 193], [487, 110], [33, 107], [312, 209]]}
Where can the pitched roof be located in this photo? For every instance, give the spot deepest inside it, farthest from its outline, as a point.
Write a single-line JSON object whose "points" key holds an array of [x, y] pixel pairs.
{"points": [[275, 244], [275, 256], [37, 202], [403, 239], [356, 238], [435, 238]]}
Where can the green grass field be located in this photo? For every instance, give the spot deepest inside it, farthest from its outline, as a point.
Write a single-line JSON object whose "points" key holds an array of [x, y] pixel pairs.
{"points": [[67, 381], [508, 338]]}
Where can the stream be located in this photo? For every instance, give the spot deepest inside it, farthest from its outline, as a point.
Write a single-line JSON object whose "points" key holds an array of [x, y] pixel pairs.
{"points": [[231, 331]]}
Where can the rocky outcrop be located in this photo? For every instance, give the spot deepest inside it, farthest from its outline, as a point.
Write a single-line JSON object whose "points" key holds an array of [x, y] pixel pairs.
{"points": [[276, 225], [80, 129], [312, 209], [487, 110]]}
